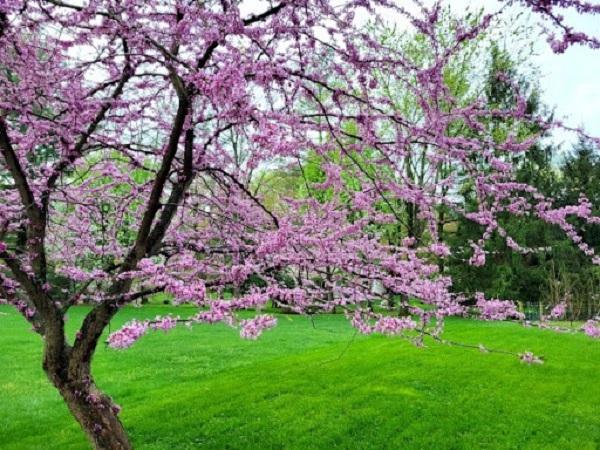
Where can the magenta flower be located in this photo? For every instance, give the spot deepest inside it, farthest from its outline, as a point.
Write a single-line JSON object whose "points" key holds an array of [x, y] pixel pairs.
{"points": [[496, 309], [530, 358], [253, 328], [128, 334], [394, 325], [165, 323], [558, 311], [592, 328]]}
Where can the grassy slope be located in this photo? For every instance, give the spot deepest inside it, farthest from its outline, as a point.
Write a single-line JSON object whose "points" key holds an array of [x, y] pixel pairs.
{"points": [[304, 387]]}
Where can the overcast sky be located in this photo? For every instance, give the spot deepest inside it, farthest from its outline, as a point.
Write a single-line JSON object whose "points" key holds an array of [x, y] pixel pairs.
{"points": [[570, 81]]}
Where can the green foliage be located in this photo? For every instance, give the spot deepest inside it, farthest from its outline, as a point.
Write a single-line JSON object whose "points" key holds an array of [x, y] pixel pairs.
{"points": [[486, 69], [508, 274]]}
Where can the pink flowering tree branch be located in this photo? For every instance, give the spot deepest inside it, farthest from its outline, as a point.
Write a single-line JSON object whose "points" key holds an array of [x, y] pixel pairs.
{"points": [[553, 10], [122, 178]]}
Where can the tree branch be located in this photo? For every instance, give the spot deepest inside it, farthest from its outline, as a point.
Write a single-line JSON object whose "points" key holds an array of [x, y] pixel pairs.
{"points": [[262, 16], [247, 192]]}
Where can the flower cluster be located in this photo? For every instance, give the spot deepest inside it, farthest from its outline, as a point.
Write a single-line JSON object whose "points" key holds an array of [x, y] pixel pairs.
{"points": [[394, 325], [568, 36], [27, 311], [165, 323], [530, 358], [592, 328], [253, 328], [496, 309], [128, 334], [559, 310]]}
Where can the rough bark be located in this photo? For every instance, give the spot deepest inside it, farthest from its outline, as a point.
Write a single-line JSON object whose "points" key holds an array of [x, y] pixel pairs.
{"points": [[98, 417], [95, 412]]}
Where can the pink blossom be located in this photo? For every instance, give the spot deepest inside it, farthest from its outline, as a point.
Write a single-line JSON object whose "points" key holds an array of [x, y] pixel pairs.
{"points": [[359, 322], [496, 309], [394, 325], [128, 334], [559, 310], [440, 249], [164, 323], [530, 358], [592, 328], [253, 328], [478, 258]]}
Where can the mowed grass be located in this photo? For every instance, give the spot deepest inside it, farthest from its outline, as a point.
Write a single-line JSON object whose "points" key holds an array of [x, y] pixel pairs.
{"points": [[314, 387]]}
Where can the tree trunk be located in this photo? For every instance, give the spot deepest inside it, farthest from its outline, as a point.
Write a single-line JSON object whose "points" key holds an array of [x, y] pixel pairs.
{"points": [[403, 306], [96, 413]]}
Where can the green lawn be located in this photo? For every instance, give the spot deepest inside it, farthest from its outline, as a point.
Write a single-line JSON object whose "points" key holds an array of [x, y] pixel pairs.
{"points": [[300, 387]]}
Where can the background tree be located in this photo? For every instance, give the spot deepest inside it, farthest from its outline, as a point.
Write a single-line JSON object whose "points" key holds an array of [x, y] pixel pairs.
{"points": [[570, 277]]}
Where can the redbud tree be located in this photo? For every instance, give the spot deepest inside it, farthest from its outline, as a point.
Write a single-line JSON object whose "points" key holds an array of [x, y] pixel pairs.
{"points": [[130, 132]]}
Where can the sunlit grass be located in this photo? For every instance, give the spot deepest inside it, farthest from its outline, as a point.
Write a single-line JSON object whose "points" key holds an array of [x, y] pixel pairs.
{"points": [[321, 387]]}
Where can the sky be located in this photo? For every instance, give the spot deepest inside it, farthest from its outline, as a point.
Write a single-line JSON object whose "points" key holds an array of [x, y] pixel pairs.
{"points": [[571, 81]]}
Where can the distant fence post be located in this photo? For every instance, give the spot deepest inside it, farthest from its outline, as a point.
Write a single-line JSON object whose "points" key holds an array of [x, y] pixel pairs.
{"points": [[532, 311], [521, 307]]}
